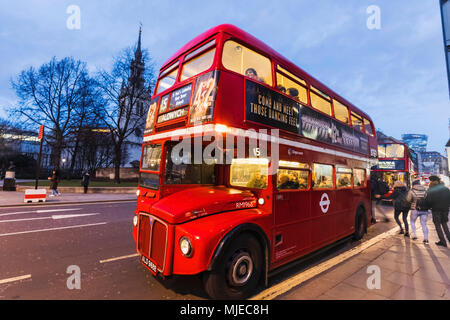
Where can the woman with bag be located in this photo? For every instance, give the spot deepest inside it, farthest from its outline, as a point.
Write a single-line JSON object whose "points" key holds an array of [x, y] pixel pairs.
{"points": [[401, 205]]}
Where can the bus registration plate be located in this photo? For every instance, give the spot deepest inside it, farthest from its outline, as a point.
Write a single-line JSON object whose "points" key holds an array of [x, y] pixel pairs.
{"points": [[149, 264]]}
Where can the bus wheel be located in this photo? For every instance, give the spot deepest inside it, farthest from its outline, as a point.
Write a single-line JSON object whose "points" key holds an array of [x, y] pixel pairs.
{"points": [[238, 271], [360, 224]]}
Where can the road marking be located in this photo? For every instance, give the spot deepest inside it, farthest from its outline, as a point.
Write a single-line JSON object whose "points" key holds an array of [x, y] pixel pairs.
{"points": [[52, 229], [285, 286], [37, 211], [56, 217], [79, 203], [120, 258], [28, 276]]}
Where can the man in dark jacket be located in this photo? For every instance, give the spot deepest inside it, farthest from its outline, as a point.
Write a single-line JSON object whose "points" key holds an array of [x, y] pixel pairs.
{"points": [[438, 200], [85, 181]]}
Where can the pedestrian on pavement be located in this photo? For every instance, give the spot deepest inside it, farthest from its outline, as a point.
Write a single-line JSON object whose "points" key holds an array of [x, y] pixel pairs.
{"points": [[401, 205], [378, 188], [438, 200], [54, 180], [85, 181], [416, 197]]}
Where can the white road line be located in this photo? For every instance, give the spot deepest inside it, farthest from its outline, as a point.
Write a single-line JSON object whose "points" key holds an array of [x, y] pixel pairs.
{"points": [[119, 258], [28, 276], [285, 286], [52, 229], [80, 203], [37, 211], [55, 217]]}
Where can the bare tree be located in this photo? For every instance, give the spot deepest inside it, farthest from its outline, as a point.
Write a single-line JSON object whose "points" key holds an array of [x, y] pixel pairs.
{"points": [[126, 90], [84, 122], [50, 96]]}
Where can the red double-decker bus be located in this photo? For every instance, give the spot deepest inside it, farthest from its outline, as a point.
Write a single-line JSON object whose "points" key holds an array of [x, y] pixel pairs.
{"points": [[396, 162], [255, 206]]}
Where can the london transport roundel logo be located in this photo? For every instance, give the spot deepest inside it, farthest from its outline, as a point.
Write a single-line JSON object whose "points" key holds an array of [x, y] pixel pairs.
{"points": [[324, 203]]}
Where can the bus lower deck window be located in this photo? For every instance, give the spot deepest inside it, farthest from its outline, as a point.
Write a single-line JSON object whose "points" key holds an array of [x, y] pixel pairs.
{"points": [[292, 179], [250, 173]]}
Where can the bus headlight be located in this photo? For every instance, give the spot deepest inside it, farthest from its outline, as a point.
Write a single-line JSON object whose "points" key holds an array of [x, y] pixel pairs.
{"points": [[135, 221], [261, 201], [138, 192], [186, 247]]}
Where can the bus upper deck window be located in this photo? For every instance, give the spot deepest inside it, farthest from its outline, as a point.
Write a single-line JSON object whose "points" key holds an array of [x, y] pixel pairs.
{"points": [[357, 122], [290, 87], [341, 112], [247, 62], [320, 101], [368, 127], [166, 81], [198, 64]]}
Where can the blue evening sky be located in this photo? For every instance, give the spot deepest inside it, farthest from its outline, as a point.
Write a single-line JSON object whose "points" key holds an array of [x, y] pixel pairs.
{"points": [[396, 74]]}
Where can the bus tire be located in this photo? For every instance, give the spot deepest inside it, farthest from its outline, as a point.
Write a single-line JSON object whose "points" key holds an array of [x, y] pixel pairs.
{"points": [[360, 224], [238, 270]]}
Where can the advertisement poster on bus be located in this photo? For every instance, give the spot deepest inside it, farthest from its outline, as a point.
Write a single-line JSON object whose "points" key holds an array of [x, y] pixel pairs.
{"points": [[151, 116], [270, 108], [202, 107], [317, 126]]}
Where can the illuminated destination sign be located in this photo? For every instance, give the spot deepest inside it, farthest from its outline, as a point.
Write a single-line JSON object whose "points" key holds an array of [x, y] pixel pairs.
{"points": [[180, 97], [390, 165], [175, 114]]}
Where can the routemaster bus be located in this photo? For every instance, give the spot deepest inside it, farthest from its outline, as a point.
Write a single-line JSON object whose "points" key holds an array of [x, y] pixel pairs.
{"points": [[288, 173], [396, 162]]}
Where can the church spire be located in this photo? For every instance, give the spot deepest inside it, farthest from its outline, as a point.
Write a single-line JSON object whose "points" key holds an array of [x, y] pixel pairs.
{"points": [[138, 52]]}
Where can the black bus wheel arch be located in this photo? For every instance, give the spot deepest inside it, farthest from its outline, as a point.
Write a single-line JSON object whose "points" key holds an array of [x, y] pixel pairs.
{"points": [[238, 270]]}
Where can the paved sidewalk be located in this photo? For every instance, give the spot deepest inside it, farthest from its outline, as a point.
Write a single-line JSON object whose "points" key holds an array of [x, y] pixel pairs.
{"points": [[16, 198], [409, 270]]}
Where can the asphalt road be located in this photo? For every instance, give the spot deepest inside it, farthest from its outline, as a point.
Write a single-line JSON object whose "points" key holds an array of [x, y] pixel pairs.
{"points": [[40, 247]]}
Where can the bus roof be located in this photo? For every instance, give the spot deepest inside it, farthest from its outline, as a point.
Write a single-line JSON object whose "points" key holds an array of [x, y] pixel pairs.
{"points": [[247, 38]]}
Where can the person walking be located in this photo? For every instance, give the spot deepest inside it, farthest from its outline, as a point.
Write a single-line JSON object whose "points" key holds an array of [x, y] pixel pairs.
{"points": [[401, 205], [438, 200], [85, 181], [378, 188], [416, 197], [54, 180]]}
